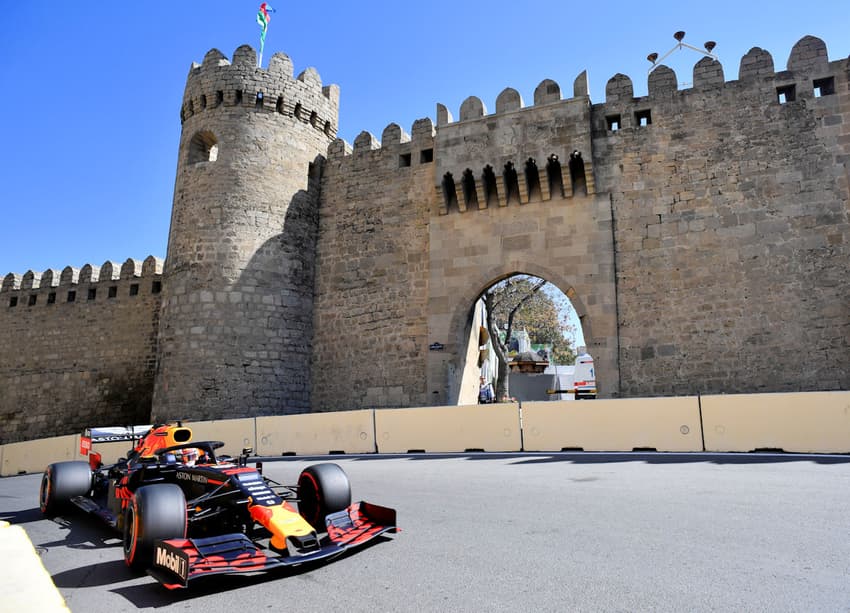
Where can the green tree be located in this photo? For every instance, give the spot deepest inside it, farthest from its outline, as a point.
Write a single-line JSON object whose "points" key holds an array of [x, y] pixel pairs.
{"points": [[523, 302]]}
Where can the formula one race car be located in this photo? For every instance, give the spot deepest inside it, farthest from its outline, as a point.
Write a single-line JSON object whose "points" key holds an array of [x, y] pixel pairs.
{"points": [[186, 513]]}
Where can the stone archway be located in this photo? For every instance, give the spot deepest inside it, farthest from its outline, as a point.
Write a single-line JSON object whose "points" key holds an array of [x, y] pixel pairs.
{"points": [[562, 244]]}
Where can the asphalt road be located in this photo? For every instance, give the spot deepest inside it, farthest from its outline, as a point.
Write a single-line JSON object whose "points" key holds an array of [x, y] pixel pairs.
{"points": [[522, 532]]}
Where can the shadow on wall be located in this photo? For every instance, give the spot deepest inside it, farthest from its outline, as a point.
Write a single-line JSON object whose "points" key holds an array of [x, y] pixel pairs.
{"points": [[270, 347]]}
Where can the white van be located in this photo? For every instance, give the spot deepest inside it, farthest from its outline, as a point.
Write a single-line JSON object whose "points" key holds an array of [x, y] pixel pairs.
{"points": [[585, 376]]}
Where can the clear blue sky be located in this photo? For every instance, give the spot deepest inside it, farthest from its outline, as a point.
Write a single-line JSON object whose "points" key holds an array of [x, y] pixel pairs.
{"points": [[90, 91]]}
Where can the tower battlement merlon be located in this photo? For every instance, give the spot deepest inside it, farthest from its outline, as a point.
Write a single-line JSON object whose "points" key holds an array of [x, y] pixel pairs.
{"points": [[217, 83], [109, 273]]}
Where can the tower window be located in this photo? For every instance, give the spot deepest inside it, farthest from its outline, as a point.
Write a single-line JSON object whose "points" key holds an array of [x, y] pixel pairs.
{"points": [[113, 291], [786, 93], [13, 301], [613, 122], [824, 87], [33, 299], [156, 287], [92, 294], [134, 289], [51, 298], [643, 118], [404, 160], [72, 296], [426, 156], [203, 148]]}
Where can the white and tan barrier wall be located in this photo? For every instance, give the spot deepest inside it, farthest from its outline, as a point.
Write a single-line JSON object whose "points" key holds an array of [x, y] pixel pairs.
{"points": [[810, 422], [662, 424], [485, 427]]}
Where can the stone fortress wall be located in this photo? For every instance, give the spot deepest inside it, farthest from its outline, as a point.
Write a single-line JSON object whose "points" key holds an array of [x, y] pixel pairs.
{"points": [[701, 234], [78, 347]]}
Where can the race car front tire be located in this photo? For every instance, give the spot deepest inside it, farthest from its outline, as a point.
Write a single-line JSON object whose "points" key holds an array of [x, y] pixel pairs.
{"points": [[157, 512], [322, 489], [61, 482]]}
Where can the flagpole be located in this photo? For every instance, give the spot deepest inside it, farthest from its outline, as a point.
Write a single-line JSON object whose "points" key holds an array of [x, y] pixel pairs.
{"points": [[263, 19]]}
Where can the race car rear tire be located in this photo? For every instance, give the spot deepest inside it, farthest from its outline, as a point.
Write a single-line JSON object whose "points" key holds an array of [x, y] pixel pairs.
{"points": [[322, 489], [61, 482], [157, 512]]}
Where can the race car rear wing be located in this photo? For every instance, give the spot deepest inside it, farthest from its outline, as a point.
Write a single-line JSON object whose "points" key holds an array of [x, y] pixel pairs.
{"points": [[111, 434]]}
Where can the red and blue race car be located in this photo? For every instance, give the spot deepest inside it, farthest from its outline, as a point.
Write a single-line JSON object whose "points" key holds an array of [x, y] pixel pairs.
{"points": [[185, 512]]}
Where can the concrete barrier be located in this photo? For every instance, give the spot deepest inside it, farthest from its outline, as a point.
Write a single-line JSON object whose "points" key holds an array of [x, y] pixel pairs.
{"points": [[806, 422], [490, 427], [663, 424], [236, 434], [317, 433], [34, 456], [25, 583]]}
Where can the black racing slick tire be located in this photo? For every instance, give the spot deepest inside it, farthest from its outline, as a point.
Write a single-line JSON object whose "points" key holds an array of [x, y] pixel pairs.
{"points": [[61, 482], [157, 512], [322, 489]]}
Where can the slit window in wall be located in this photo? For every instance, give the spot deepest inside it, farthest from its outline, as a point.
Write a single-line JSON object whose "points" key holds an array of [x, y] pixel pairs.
{"points": [[51, 298], [824, 87], [238, 96], [470, 196], [203, 148], [219, 97], [643, 118], [134, 289], [327, 128], [259, 103], [203, 101], [156, 287], [113, 291], [511, 183], [426, 156], [449, 191], [577, 176], [297, 111], [32, 300], [786, 93], [613, 122], [314, 119], [555, 176], [92, 293], [491, 195], [279, 106], [532, 179], [404, 160], [72, 296], [13, 301]]}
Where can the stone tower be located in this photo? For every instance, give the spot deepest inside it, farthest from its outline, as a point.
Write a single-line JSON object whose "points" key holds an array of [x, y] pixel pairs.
{"points": [[236, 321]]}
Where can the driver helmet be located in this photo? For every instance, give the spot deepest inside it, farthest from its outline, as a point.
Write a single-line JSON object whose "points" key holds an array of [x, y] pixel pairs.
{"points": [[190, 455]]}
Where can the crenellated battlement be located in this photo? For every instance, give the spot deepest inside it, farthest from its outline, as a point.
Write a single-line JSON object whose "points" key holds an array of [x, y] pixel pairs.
{"points": [[135, 276], [397, 148], [217, 84], [808, 75]]}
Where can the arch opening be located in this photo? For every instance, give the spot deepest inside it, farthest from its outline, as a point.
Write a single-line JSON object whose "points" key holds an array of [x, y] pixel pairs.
{"points": [[525, 339]]}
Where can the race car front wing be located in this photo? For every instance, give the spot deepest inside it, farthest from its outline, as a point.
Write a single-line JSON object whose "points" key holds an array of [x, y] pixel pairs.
{"points": [[177, 561]]}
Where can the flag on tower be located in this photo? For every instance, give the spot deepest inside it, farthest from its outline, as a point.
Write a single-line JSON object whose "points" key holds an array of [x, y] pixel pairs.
{"points": [[263, 18]]}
